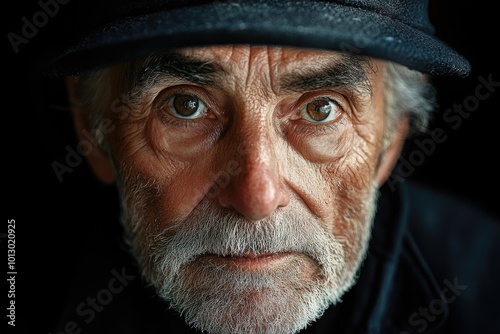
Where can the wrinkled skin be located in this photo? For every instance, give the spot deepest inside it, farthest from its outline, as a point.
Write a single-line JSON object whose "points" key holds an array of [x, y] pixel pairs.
{"points": [[258, 147]]}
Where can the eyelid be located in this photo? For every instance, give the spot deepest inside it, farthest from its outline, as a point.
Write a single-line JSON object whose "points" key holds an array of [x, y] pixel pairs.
{"points": [[166, 94], [334, 96], [339, 99], [214, 119], [170, 103], [335, 114], [215, 102]]}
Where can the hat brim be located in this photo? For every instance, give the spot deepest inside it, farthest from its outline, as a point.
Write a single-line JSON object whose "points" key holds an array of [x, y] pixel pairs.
{"points": [[318, 25]]}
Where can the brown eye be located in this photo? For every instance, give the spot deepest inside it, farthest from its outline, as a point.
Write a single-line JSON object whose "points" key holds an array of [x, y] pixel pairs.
{"points": [[186, 106], [322, 110]]}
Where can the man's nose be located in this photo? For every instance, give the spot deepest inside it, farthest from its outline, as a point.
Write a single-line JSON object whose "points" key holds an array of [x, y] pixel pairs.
{"points": [[258, 189]]}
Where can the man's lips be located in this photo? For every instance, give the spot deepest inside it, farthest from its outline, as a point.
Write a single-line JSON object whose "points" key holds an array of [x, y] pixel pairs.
{"points": [[250, 261]]}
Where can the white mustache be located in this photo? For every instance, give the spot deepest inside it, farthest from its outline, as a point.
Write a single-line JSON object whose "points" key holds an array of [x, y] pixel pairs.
{"points": [[224, 233]]}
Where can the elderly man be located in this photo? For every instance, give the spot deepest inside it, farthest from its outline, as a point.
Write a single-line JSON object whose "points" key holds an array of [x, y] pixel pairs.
{"points": [[252, 145]]}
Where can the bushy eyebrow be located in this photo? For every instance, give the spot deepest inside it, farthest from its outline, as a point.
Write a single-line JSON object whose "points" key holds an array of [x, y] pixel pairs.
{"points": [[147, 72], [349, 73]]}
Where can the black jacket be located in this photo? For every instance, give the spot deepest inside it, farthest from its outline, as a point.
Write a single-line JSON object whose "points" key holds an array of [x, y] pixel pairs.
{"points": [[433, 266]]}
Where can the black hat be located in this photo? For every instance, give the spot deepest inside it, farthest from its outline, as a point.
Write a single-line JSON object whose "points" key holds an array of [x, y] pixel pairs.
{"points": [[396, 30]]}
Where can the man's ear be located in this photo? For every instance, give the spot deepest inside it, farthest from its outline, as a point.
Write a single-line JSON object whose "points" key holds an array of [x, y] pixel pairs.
{"points": [[393, 151], [98, 160]]}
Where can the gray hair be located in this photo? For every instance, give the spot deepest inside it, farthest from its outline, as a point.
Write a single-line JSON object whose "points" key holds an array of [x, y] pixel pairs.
{"points": [[408, 92]]}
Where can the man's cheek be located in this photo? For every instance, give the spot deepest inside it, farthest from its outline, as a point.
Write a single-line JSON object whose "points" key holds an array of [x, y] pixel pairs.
{"points": [[128, 143], [186, 143], [164, 187], [178, 193], [323, 145]]}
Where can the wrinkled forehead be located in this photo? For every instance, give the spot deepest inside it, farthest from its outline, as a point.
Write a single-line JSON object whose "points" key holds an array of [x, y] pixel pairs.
{"points": [[234, 57], [281, 68]]}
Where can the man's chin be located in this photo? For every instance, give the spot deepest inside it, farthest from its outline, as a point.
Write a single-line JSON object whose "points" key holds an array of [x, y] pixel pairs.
{"points": [[263, 263], [278, 295]]}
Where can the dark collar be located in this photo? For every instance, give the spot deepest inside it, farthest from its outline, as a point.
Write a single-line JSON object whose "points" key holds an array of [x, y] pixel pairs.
{"points": [[395, 285]]}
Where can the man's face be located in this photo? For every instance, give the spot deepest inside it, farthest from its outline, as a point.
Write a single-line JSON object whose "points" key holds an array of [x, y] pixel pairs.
{"points": [[249, 180]]}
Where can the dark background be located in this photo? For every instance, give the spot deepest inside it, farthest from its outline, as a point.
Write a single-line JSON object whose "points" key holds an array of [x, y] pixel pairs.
{"points": [[52, 217]]}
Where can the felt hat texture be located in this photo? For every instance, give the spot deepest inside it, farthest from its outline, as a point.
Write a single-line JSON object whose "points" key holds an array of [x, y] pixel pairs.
{"points": [[111, 31]]}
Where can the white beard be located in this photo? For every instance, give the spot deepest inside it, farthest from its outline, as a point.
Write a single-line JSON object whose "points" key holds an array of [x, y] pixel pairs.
{"points": [[219, 298]]}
